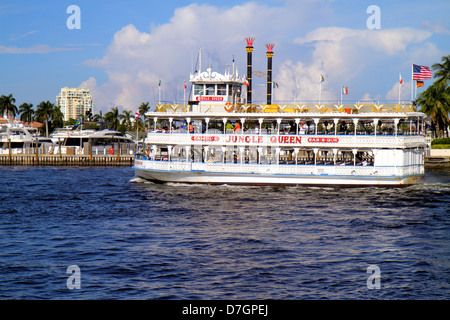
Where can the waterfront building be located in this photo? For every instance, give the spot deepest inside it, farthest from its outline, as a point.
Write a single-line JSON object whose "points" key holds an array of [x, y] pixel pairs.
{"points": [[74, 102]]}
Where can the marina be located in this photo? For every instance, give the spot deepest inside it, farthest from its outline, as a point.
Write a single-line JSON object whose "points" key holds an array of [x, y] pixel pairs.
{"points": [[66, 160]]}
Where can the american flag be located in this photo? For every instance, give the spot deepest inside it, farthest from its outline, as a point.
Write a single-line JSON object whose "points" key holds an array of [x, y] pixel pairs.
{"points": [[421, 72]]}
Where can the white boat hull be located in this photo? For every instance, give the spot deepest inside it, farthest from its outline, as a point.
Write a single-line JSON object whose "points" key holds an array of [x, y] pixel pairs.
{"points": [[260, 179]]}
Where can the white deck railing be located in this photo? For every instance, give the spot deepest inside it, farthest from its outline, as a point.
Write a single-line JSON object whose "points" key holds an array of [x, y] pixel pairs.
{"points": [[281, 169]]}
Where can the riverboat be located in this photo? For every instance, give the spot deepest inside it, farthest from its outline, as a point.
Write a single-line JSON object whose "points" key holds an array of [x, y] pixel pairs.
{"points": [[222, 138]]}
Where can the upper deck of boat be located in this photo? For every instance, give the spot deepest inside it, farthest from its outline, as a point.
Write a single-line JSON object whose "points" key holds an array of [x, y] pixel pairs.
{"points": [[290, 111]]}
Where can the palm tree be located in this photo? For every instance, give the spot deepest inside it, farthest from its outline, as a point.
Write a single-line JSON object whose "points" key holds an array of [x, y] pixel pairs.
{"points": [[113, 117], [138, 124], [442, 71], [143, 109], [125, 117], [7, 105], [26, 112], [98, 116], [435, 103], [57, 117], [44, 112]]}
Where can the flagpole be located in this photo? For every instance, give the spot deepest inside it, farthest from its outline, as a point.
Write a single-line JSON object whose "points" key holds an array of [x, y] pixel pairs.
{"points": [[412, 83], [341, 95], [320, 91], [159, 92], [399, 90]]}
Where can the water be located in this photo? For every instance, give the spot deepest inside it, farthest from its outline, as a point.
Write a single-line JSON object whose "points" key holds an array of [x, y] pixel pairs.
{"points": [[136, 240]]}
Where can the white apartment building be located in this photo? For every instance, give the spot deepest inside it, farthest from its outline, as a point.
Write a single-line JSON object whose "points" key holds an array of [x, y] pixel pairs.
{"points": [[74, 102]]}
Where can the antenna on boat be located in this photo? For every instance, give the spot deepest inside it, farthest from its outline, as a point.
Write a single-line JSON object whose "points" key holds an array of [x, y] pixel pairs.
{"points": [[234, 68], [200, 60]]}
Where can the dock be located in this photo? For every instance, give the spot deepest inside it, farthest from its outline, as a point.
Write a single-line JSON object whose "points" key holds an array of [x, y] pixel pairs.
{"points": [[66, 160], [438, 158]]}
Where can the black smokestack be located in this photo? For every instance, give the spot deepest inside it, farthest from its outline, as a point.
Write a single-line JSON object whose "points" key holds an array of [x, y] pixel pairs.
{"points": [[249, 50], [269, 55]]}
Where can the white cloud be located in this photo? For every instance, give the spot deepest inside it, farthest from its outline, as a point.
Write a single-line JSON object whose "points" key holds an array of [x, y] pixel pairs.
{"points": [[17, 37], [135, 61], [405, 92], [40, 49], [389, 41], [350, 54], [299, 82], [436, 27]]}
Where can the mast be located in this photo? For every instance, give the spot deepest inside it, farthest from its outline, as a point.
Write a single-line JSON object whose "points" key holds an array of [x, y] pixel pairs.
{"points": [[200, 60]]}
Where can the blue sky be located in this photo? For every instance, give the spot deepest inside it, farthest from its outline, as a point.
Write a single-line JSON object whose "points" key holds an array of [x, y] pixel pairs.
{"points": [[124, 48]]}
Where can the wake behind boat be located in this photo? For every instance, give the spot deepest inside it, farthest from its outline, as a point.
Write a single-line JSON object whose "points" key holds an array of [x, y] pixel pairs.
{"points": [[222, 138]]}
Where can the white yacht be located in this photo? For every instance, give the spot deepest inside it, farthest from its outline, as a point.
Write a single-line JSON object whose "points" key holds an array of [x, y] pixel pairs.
{"points": [[76, 140], [17, 138]]}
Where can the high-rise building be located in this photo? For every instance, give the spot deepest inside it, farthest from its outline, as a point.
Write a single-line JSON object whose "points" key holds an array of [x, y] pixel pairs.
{"points": [[74, 102]]}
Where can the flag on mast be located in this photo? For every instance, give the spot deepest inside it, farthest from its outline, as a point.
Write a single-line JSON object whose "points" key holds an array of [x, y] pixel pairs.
{"points": [[322, 79], [401, 80], [344, 90], [421, 72]]}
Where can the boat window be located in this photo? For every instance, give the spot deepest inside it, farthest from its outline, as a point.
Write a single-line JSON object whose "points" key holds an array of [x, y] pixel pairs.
{"points": [[198, 89], [222, 90], [210, 89], [230, 90]]}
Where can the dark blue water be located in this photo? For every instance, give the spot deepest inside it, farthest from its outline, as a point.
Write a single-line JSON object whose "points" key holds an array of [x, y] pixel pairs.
{"points": [[135, 240]]}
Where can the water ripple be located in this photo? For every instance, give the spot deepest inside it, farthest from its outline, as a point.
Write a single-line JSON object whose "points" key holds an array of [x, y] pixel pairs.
{"points": [[138, 240]]}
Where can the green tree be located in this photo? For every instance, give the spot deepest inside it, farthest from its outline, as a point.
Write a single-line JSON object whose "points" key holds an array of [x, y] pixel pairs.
{"points": [[98, 116], [435, 103], [113, 118], [442, 71], [44, 113], [26, 112], [143, 109], [7, 106], [57, 118], [435, 100], [126, 118]]}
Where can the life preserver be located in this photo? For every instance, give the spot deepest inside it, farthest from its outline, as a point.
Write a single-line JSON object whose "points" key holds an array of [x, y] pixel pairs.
{"points": [[228, 107]]}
